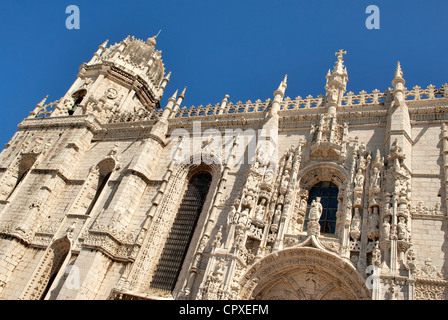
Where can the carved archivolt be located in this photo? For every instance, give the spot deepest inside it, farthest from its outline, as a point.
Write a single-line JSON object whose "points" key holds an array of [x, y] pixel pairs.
{"points": [[323, 171], [303, 273]]}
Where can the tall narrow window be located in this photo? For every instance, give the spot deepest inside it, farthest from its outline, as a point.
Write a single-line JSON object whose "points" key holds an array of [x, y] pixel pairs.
{"points": [[24, 168], [44, 276], [328, 193], [19, 179], [179, 239], [77, 99], [101, 183]]}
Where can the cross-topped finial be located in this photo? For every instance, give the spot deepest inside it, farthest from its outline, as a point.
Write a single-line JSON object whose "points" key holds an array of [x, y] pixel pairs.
{"points": [[340, 53]]}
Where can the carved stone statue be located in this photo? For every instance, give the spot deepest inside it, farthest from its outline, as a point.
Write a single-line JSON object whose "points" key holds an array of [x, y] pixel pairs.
{"points": [[285, 182], [376, 256], [355, 227], [385, 229], [373, 231], [402, 229], [232, 215], [259, 215], [315, 210], [359, 179]]}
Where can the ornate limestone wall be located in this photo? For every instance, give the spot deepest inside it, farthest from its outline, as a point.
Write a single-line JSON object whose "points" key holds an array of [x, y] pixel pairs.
{"points": [[91, 185]]}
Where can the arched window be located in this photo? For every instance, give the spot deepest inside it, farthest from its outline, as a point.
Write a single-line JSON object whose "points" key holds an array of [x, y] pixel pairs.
{"points": [[102, 181], [22, 175], [328, 193], [44, 276], [23, 170], [77, 97], [176, 246]]}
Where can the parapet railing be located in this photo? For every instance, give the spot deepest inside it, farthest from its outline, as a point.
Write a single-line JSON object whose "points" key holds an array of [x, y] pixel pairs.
{"points": [[376, 97]]}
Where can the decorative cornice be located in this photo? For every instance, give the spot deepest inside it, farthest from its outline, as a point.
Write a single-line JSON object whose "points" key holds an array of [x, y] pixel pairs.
{"points": [[84, 121]]}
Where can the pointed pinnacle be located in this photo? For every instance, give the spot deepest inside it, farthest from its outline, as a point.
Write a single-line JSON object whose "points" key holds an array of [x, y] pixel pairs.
{"points": [[182, 94], [168, 76], [398, 71], [174, 95], [43, 101]]}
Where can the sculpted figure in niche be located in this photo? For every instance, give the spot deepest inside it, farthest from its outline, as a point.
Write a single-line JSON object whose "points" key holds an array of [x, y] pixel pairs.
{"points": [[247, 201], [356, 225], [259, 215], [373, 224], [359, 179], [261, 156], [315, 210], [303, 203], [278, 213], [285, 182], [244, 218], [385, 229], [402, 229], [68, 103], [375, 178], [232, 215], [251, 182]]}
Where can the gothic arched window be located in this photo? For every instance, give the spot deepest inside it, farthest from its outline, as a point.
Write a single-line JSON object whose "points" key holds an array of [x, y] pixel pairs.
{"points": [[77, 99], [102, 180], [24, 169], [178, 242], [328, 193]]}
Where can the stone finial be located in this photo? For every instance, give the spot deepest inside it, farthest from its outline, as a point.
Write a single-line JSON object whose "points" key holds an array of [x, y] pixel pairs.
{"points": [[340, 54], [42, 103], [398, 83], [152, 40], [282, 87], [398, 71], [339, 65], [168, 76], [104, 45]]}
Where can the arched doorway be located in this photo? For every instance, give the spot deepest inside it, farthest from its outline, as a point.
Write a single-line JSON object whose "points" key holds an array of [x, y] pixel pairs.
{"points": [[305, 273]]}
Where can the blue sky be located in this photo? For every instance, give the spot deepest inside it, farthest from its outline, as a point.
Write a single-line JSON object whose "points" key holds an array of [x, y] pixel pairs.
{"points": [[241, 48]]}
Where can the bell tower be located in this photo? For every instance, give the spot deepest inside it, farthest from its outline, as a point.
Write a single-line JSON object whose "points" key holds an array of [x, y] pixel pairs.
{"points": [[126, 77]]}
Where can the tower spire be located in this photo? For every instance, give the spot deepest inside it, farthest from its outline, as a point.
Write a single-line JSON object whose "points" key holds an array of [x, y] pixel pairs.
{"points": [[336, 83]]}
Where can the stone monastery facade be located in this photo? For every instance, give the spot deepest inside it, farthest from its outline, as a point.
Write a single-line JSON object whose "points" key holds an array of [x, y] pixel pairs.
{"points": [[104, 194]]}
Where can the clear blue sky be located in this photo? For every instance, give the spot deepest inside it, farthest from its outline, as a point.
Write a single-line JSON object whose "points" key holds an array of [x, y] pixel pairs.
{"points": [[241, 48]]}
